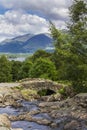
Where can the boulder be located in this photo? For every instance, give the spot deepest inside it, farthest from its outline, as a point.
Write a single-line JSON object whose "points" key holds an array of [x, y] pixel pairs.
{"points": [[73, 125], [4, 128], [4, 121]]}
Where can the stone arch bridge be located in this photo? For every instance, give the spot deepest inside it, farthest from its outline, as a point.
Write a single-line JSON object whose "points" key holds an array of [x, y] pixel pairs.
{"points": [[39, 84]]}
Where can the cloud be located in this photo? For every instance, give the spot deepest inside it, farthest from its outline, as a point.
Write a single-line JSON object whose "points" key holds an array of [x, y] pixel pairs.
{"points": [[19, 19], [14, 23], [50, 8]]}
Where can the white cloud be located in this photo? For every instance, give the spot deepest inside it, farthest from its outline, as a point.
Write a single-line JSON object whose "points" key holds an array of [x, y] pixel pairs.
{"points": [[48, 7], [17, 21], [60, 24], [14, 23]]}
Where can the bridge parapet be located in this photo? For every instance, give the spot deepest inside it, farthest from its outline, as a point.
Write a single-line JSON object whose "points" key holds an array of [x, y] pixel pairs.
{"points": [[39, 84]]}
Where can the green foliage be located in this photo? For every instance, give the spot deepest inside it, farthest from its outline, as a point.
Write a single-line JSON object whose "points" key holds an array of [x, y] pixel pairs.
{"points": [[5, 70], [18, 88], [67, 91], [42, 92], [43, 68], [78, 27], [16, 65], [39, 54], [62, 91], [79, 81], [70, 55], [45, 92], [28, 94], [25, 69], [78, 10], [59, 37], [78, 30]]}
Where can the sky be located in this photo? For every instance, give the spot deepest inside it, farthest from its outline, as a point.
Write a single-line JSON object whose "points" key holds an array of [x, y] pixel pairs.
{"points": [[19, 17]]}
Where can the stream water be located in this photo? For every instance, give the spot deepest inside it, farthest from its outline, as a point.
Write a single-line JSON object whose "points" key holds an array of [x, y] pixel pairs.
{"points": [[26, 125]]}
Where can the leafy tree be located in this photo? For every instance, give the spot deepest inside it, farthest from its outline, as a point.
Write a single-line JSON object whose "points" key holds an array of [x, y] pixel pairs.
{"points": [[78, 31], [25, 69], [70, 55], [62, 51], [16, 65], [60, 38], [78, 27], [39, 54], [5, 70], [43, 68]]}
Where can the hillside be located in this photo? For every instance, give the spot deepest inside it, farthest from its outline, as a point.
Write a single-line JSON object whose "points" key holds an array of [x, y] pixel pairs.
{"points": [[28, 43]]}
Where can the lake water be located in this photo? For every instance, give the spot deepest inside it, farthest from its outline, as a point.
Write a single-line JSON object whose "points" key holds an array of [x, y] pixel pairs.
{"points": [[17, 59], [16, 56]]}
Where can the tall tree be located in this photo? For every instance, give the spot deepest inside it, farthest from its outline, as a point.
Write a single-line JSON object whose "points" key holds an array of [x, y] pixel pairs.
{"points": [[16, 66], [78, 31], [5, 70], [78, 27], [70, 53]]}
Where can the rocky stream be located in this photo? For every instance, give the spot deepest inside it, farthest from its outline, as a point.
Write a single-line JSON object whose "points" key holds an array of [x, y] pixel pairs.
{"points": [[16, 113]]}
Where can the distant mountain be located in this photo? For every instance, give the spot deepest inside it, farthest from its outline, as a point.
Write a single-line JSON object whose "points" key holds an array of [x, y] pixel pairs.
{"points": [[23, 38], [28, 43]]}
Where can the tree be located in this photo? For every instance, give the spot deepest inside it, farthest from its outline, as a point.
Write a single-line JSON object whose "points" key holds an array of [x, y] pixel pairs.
{"points": [[78, 32], [59, 38], [25, 69], [78, 27], [16, 65], [61, 52], [70, 55], [43, 68], [39, 54], [5, 70]]}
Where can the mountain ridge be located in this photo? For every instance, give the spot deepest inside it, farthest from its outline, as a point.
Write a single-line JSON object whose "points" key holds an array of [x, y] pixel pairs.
{"points": [[28, 43]]}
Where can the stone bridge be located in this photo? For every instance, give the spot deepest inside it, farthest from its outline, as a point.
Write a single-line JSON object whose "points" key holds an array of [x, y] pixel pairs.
{"points": [[40, 84]]}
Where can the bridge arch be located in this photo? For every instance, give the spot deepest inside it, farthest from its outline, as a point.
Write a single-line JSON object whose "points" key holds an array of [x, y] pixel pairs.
{"points": [[45, 92]]}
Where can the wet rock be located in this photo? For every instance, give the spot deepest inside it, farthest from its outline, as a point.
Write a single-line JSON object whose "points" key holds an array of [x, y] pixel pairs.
{"points": [[48, 104], [5, 121], [53, 125], [17, 129], [4, 128], [81, 98], [13, 118], [15, 104], [34, 112], [73, 125], [41, 121], [83, 105], [51, 98]]}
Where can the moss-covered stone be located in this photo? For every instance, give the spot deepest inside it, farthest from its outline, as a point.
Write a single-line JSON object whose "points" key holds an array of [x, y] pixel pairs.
{"points": [[28, 94]]}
